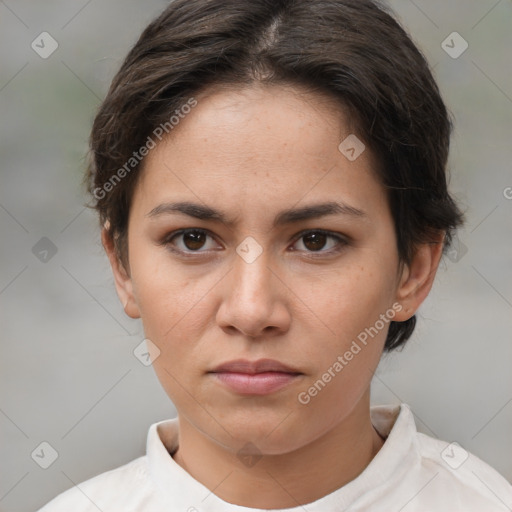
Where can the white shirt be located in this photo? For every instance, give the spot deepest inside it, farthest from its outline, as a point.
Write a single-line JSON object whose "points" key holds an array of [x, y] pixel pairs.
{"points": [[411, 472]]}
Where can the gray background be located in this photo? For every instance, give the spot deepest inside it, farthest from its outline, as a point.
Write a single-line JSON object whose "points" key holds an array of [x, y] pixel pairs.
{"points": [[68, 373]]}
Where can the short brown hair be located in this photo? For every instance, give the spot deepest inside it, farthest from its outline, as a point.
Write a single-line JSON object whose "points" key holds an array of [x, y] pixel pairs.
{"points": [[352, 50]]}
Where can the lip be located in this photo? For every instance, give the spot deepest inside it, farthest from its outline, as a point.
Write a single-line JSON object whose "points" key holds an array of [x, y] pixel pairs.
{"points": [[259, 377], [254, 367]]}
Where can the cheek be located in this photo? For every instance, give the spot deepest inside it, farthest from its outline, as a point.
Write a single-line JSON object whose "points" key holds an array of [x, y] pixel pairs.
{"points": [[162, 293], [349, 299], [174, 305], [347, 347], [347, 306]]}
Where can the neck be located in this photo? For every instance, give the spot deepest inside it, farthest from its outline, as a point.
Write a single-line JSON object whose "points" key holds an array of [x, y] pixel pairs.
{"points": [[286, 480]]}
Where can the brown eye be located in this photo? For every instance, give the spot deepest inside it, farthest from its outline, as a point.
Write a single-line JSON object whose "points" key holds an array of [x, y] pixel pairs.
{"points": [[194, 240], [189, 241], [315, 241]]}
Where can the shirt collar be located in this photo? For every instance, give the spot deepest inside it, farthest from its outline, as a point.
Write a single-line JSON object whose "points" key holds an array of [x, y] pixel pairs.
{"points": [[182, 492]]}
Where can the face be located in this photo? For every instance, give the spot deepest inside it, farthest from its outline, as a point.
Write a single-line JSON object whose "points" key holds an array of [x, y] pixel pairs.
{"points": [[290, 255]]}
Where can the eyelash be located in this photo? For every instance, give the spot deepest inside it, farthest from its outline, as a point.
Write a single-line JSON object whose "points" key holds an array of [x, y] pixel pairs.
{"points": [[342, 242]]}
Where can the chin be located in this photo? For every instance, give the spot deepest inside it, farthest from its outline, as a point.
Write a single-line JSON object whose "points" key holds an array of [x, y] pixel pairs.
{"points": [[271, 435]]}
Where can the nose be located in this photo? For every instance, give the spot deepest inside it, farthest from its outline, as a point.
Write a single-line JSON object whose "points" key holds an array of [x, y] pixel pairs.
{"points": [[254, 300]]}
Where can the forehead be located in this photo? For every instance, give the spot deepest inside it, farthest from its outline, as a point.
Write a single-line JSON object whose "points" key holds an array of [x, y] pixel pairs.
{"points": [[258, 147], [256, 120]]}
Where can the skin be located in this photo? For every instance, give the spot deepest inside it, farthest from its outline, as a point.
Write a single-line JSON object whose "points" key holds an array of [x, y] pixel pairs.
{"points": [[252, 153]]}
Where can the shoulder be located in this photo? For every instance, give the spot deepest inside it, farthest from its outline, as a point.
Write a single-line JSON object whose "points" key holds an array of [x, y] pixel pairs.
{"points": [[124, 488], [463, 477]]}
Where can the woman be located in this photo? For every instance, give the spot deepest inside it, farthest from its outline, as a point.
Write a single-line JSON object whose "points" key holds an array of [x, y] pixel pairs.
{"points": [[270, 177]]}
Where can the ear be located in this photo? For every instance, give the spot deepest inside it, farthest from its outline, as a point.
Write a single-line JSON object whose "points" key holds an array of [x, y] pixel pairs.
{"points": [[417, 278], [123, 282]]}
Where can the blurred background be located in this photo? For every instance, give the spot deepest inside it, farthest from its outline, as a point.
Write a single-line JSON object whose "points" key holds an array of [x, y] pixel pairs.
{"points": [[69, 376]]}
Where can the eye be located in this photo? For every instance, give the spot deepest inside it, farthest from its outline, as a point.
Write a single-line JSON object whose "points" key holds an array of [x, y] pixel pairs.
{"points": [[315, 240], [192, 240], [189, 240]]}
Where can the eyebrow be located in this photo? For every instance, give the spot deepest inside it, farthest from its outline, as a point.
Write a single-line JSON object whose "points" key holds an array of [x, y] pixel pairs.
{"points": [[288, 216]]}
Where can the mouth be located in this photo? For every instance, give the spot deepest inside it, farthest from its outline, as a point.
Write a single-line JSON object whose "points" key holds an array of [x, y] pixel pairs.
{"points": [[260, 377]]}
